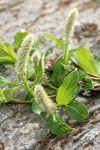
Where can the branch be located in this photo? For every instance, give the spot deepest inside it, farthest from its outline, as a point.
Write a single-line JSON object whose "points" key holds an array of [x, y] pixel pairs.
{"points": [[96, 85], [95, 78], [19, 102], [25, 102]]}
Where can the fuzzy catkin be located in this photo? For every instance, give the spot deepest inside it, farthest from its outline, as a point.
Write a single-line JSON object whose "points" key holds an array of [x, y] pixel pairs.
{"points": [[36, 58], [23, 54], [69, 25], [44, 102]]}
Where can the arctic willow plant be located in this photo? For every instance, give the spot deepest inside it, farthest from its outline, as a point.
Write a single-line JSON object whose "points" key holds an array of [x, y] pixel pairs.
{"points": [[50, 90]]}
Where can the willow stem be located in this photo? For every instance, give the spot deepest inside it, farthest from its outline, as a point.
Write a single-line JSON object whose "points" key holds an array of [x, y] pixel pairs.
{"points": [[66, 54], [27, 87], [96, 85], [25, 102], [52, 96], [95, 78], [19, 102], [17, 84], [51, 86]]}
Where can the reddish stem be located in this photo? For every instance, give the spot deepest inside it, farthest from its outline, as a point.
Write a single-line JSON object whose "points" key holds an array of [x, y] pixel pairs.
{"points": [[19, 102]]}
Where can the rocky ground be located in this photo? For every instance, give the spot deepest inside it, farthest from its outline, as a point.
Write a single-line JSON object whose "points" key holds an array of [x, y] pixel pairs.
{"points": [[20, 129]]}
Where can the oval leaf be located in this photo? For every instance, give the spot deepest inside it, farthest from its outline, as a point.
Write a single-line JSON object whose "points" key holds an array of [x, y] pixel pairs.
{"points": [[86, 60], [7, 93], [58, 72], [35, 107], [3, 81], [98, 63], [7, 54], [54, 38], [57, 125], [19, 36], [76, 110], [67, 90], [88, 83], [2, 97]]}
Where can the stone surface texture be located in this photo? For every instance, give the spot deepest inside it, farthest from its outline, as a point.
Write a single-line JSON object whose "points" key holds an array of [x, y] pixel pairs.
{"points": [[20, 129]]}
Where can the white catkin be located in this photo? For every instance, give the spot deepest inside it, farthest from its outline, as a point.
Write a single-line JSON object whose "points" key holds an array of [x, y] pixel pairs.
{"points": [[23, 54], [44, 102], [36, 58], [69, 25]]}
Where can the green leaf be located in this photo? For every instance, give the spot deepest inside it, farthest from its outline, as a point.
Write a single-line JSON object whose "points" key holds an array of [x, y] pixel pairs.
{"points": [[38, 41], [39, 72], [71, 53], [2, 97], [66, 91], [88, 83], [78, 88], [3, 81], [98, 63], [10, 49], [19, 36], [7, 55], [28, 97], [30, 68], [7, 93], [17, 84], [86, 60], [49, 51], [58, 72], [37, 80], [76, 110], [42, 63], [57, 125], [14, 88], [40, 68], [55, 39], [82, 75], [35, 107], [49, 91]]}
